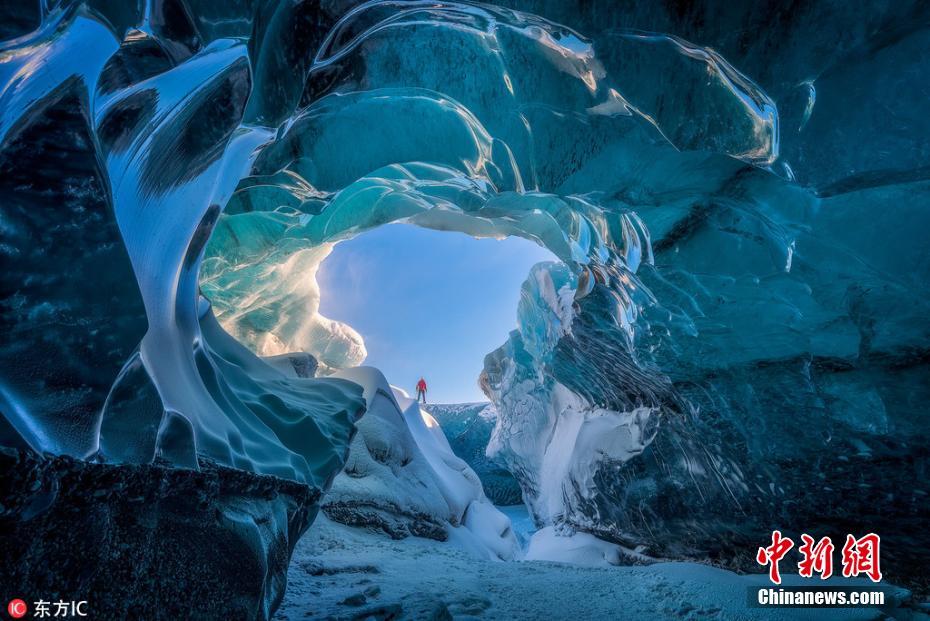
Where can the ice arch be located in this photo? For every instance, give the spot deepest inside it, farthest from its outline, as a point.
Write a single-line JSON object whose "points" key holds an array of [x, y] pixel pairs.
{"points": [[712, 299]]}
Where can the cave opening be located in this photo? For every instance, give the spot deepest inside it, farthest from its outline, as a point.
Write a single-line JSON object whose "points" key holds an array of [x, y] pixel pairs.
{"points": [[428, 303], [733, 338]]}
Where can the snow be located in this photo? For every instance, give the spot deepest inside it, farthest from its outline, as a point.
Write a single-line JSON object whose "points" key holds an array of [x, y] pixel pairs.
{"points": [[468, 429], [403, 477], [577, 548], [343, 572], [561, 449], [485, 526]]}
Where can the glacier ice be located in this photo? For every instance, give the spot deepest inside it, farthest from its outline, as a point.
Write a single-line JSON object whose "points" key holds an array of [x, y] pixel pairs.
{"points": [[402, 477], [468, 427], [152, 136], [734, 337]]}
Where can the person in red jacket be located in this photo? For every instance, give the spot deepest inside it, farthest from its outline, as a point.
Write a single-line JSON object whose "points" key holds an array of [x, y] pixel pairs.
{"points": [[421, 390]]}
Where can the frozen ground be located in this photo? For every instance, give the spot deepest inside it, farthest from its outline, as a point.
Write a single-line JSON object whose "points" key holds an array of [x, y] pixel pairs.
{"points": [[346, 573]]}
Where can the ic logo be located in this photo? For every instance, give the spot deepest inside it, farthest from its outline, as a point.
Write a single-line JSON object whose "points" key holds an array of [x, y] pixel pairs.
{"points": [[17, 608]]}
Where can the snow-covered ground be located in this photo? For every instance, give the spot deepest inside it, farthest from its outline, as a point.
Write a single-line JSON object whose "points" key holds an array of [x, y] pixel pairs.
{"points": [[354, 569], [342, 572]]}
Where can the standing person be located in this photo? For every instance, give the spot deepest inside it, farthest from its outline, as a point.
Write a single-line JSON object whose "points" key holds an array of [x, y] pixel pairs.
{"points": [[421, 390]]}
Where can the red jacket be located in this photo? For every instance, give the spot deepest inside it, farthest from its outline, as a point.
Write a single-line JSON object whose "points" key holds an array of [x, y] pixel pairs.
{"points": [[421, 386]]}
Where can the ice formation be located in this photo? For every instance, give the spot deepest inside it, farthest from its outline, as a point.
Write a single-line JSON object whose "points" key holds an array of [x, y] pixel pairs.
{"points": [[468, 428], [402, 478], [735, 336]]}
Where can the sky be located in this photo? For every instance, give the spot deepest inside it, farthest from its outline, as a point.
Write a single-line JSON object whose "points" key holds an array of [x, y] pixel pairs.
{"points": [[428, 303]]}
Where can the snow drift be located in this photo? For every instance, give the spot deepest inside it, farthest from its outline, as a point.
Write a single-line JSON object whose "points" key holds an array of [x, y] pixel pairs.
{"points": [[402, 478], [468, 428]]}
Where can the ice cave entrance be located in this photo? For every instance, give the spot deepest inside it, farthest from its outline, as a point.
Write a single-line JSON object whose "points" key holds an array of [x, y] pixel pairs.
{"points": [[428, 303]]}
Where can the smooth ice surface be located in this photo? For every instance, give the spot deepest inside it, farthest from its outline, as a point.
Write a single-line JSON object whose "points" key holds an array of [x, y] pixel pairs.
{"points": [[159, 122]]}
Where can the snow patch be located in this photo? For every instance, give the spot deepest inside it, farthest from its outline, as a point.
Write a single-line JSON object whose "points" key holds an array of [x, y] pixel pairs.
{"points": [[577, 548], [555, 441], [403, 478]]}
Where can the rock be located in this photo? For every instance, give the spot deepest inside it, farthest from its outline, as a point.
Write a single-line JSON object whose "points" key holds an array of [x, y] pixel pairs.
{"points": [[147, 541]]}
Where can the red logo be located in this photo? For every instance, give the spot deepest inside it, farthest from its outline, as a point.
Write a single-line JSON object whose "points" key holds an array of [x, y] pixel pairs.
{"points": [[860, 556], [817, 558], [17, 608], [774, 553]]}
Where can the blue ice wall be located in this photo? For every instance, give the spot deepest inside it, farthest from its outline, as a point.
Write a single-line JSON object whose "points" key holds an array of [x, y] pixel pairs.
{"points": [[734, 339]]}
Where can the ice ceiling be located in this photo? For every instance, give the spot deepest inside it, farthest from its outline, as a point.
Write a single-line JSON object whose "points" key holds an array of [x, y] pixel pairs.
{"points": [[740, 311]]}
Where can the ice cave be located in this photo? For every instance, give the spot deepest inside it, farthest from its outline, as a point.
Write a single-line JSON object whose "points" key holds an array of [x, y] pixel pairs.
{"points": [[733, 338]]}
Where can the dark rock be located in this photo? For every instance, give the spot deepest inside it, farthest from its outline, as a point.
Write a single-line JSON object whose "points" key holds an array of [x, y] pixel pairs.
{"points": [[358, 599], [146, 541], [394, 521]]}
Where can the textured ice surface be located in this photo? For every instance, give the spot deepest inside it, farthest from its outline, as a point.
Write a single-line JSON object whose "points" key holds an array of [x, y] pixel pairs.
{"points": [[736, 337], [119, 165]]}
